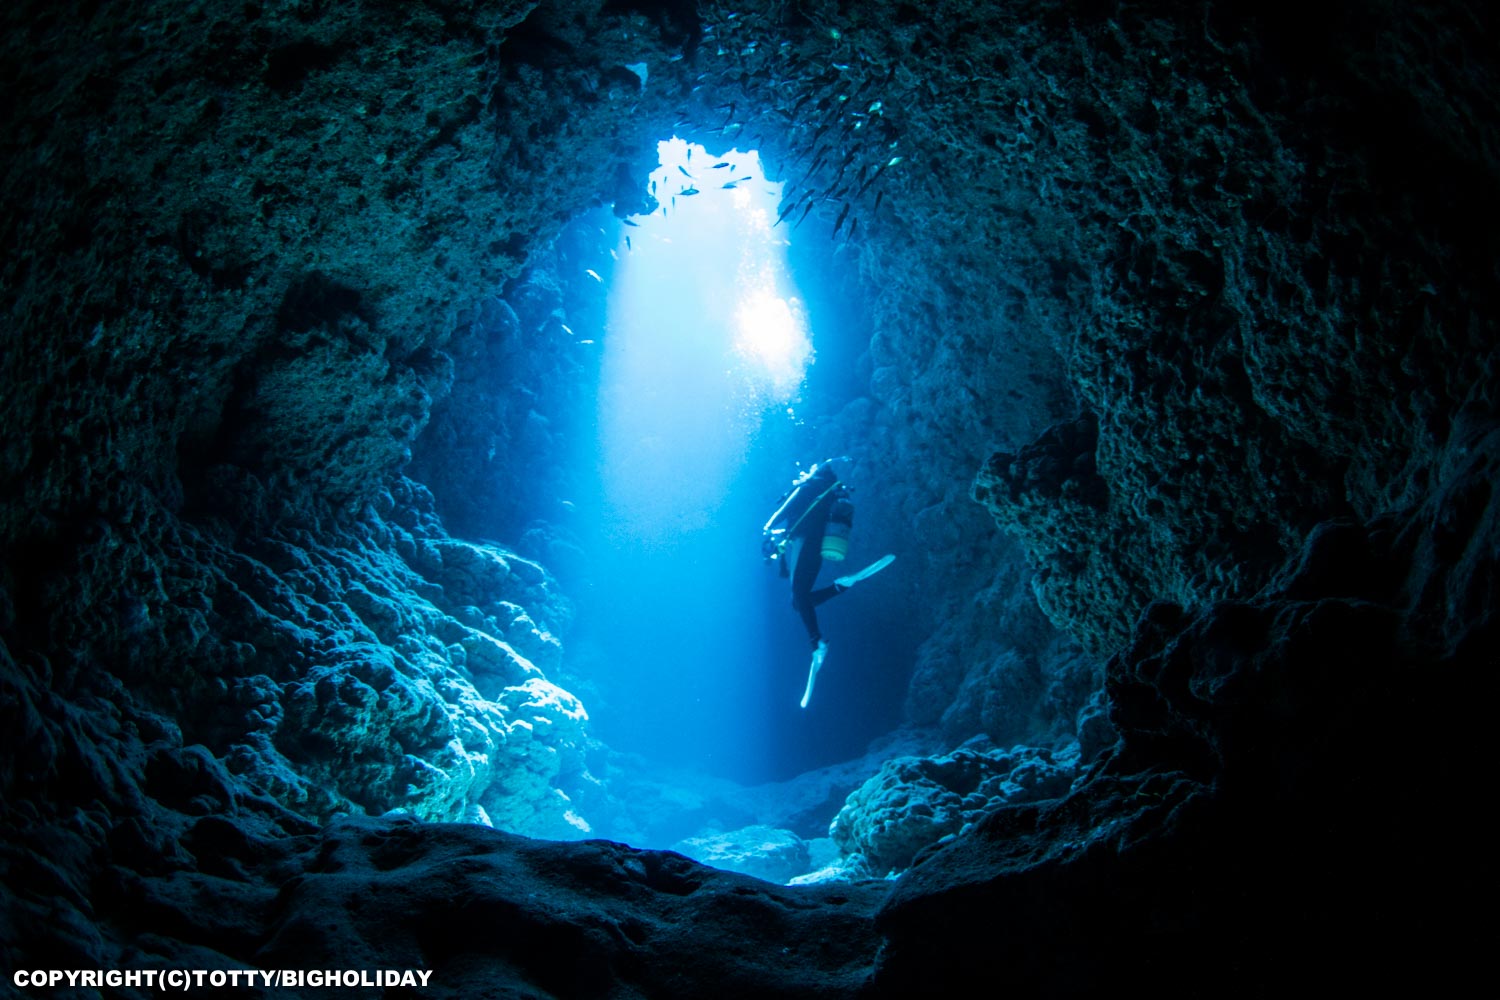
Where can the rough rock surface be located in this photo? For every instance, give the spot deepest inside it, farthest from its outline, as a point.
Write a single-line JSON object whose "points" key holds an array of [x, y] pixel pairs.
{"points": [[497, 913], [491, 453], [1254, 349], [380, 666], [1205, 297], [918, 802], [1248, 825]]}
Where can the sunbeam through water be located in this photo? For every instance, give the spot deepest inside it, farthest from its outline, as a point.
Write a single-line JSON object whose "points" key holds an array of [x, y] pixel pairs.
{"points": [[706, 348], [707, 337]]}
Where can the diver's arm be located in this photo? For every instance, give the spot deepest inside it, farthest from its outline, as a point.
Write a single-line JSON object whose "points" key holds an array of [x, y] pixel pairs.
{"points": [[782, 509]]}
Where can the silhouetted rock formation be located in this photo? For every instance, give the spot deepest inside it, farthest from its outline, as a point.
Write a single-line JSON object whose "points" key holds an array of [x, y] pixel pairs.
{"points": [[1199, 305]]}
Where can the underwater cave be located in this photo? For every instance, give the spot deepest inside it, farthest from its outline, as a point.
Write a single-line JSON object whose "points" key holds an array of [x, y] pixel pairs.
{"points": [[398, 405]]}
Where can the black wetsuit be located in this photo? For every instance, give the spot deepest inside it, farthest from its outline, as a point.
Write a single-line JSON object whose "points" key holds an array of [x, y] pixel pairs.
{"points": [[804, 549]]}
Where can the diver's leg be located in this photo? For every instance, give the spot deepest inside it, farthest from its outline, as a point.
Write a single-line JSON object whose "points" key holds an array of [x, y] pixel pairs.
{"points": [[822, 594], [807, 562], [843, 583]]}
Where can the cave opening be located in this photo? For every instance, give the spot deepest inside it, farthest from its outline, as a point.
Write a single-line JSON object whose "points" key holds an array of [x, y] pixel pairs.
{"points": [[1162, 345], [703, 350]]}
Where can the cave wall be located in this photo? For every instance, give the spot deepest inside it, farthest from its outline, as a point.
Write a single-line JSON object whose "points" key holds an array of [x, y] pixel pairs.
{"points": [[1283, 310], [1183, 285], [1123, 217], [1180, 287], [255, 242], [253, 245]]}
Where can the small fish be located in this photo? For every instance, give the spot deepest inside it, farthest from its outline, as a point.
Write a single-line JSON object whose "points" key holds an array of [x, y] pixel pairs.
{"points": [[731, 185], [720, 165], [585, 341], [804, 214], [784, 213], [595, 275], [840, 223], [613, 255], [879, 195], [893, 161], [684, 169], [688, 191], [627, 244], [853, 227], [566, 329], [630, 222]]}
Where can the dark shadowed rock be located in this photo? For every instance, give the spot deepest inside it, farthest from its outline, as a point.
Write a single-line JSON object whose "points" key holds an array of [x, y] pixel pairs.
{"points": [[1198, 303]]}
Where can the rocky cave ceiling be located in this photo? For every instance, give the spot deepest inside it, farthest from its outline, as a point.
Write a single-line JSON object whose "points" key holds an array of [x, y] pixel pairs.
{"points": [[1196, 303]]}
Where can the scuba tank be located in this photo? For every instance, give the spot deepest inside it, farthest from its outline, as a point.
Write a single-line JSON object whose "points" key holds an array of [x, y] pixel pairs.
{"points": [[837, 523], [836, 531]]}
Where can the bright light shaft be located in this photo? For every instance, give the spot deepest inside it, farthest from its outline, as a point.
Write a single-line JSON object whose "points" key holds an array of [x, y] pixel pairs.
{"points": [[771, 335], [723, 206], [707, 336]]}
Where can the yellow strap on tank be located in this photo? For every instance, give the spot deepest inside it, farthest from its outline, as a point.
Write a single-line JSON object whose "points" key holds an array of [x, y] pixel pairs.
{"points": [[786, 540]]}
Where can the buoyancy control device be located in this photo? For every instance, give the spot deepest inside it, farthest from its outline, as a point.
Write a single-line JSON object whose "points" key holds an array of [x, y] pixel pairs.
{"points": [[837, 524], [836, 532]]}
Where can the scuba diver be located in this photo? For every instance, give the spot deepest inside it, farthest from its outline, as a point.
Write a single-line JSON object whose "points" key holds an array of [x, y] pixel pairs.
{"points": [[811, 525]]}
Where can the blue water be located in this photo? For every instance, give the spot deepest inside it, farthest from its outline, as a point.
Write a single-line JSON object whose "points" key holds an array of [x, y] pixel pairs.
{"points": [[706, 366]]}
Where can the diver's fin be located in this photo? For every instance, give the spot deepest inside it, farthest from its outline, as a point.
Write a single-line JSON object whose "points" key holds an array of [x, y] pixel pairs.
{"points": [[866, 573], [812, 673]]}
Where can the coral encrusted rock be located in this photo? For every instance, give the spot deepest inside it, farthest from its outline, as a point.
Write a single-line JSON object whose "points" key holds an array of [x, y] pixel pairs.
{"points": [[917, 802]]}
